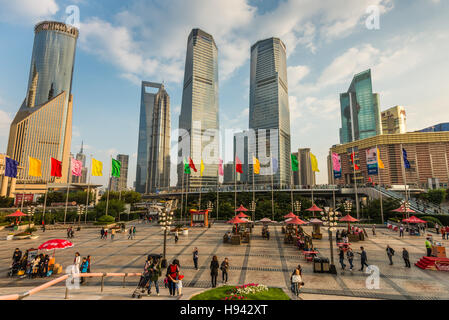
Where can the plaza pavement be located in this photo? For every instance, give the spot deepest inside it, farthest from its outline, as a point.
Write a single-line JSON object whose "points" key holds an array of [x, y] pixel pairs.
{"points": [[269, 262]]}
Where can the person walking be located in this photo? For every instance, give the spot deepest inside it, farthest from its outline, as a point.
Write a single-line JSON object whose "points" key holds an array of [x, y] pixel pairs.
{"points": [[112, 234], [195, 258], [84, 268], [214, 271], [298, 270], [390, 254], [130, 233], [43, 226], [134, 232], [428, 247], [155, 273], [106, 234], [401, 231], [88, 266], [341, 255], [406, 257], [350, 256], [443, 232], [77, 261], [172, 273], [102, 233], [363, 258], [176, 236], [296, 282], [374, 230], [224, 270], [447, 233]]}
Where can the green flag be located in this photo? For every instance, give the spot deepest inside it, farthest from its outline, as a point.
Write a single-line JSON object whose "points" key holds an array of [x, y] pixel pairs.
{"points": [[294, 163], [116, 165], [186, 167]]}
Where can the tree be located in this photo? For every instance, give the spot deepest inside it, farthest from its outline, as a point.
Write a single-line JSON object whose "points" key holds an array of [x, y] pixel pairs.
{"points": [[6, 202], [436, 196], [130, 197], [115, 207]]}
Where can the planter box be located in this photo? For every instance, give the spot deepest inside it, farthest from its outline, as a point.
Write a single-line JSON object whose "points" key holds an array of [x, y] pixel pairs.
{"points": [[185, 232], [9, 237], [22, 237]]}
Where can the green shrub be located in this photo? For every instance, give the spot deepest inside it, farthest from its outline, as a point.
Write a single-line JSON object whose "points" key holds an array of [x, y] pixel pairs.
{"points": [[31, 230], [431, 221], [106, 219]]}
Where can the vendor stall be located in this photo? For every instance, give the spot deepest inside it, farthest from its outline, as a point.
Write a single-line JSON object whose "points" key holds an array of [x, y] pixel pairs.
{"points": [[237, 235], [199, 218], [413, 225], [353, 235], [316, 232]]}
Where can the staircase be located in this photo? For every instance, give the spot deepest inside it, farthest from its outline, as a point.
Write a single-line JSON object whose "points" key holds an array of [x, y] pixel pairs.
{"points": [[429, 263]]}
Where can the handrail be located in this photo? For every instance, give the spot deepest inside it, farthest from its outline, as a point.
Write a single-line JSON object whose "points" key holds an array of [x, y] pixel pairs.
{"points": [[35, 290]]}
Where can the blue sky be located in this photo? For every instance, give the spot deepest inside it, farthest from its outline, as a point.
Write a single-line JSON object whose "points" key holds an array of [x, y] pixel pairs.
{"points": [[122, 43]]}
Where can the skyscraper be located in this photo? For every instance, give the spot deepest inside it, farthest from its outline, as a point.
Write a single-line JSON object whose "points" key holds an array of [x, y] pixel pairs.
{"points": [[269, 110], [198, 121], [394, 120], [42, 127], [241, 151], [80, 156], [121, 183], [305, 176], [153, 153], [360, 111]]}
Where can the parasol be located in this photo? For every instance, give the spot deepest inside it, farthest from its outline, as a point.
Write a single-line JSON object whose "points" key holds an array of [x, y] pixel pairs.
{"points": [[414, 219], [348, 219], [241, 208], [55, 244]]}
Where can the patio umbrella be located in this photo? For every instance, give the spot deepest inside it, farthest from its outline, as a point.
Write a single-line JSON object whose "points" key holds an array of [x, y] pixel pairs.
{"points": [[241, 208], [401, 209], [18, 213], [314, 209], [348, 219], [265, 220], [236, 220], [414, 219], [315, 221], [55, 244], [290, 215], [242, 215], [296, 221]]}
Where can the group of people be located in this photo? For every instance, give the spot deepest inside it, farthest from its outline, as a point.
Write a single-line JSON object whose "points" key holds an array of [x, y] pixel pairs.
{"points": [[36, 267], [82, 265], [70, 233], [443, 230], [104, 233]]}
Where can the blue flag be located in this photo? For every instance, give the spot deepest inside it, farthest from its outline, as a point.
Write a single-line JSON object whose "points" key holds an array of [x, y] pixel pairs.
{"points": [[406, 162], [11, 168], [275, 165]]}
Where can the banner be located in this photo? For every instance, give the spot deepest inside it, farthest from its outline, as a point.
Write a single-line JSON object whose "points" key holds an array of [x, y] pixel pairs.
{"points": [[336, 165], [371, 161]]}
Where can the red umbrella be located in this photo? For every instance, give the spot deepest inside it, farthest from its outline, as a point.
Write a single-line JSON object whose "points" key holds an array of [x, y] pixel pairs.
{"points": [[315, 221], [265, 220], [18, 213], [314, 209], [55, 244], [236, 220], [242, 215], [290, 215], [295, 221], [241, 208], [401, 209], [414, 219], [348, 219]]}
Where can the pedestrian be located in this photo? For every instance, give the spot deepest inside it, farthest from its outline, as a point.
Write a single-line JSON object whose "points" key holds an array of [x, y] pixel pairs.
{"points": [[296, 282], [102, 233], [298, 270], [88, 266], [428, 247], [363, 258], [17, 255], [172, 273], [176, 236], [43, 226], [155, 273], [195, 258], [112, 233], [134, 232], [178, 284], [350, 256], [68, 232], [214, 271], [447, 233], [268, 234], [406, 257], [401, 231], [84, 268], [341, 255], [130, 233], [106, 233], [72, 233], [390, 254], [437, 228], [374, 230], [77, 261], [443, 232], [224, 270]]}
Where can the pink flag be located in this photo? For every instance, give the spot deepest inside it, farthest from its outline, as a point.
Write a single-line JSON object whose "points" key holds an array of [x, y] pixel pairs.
{"points": [[220, 168], [336, 163], [77, 166]]}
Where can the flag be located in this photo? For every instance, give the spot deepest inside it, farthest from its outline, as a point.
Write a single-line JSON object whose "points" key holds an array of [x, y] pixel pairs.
{"points": [[314, 162], [352, 161], [371, 161], [115, 169], [256, 165], [238, 165], [56, 168], [35, 169], [97, 168], [379, 162], [77, 167], [336, 165], [220, 167], [406, 162], [192, 165], [11, 168], [186, 167], [294, 163], [201, 167], [274, 161]]}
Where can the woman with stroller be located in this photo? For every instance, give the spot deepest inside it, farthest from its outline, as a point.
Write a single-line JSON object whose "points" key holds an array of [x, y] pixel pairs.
{"points": [[155, 273]]}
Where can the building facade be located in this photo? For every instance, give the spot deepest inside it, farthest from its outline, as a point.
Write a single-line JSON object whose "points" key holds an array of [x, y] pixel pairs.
{"points": [[394, 120], [360, 111], [428, 154], [269, 113], [198, 120], [437, 128], [305, 176], [153, 151], [42, 127]]}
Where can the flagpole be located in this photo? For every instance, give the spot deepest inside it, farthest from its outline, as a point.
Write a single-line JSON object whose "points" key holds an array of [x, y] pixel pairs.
{"points": [[218, 178], [254, 195], [24, 187], [380, 185], [69, 178], [45, 202], [88, 190], [235, 184], [201, 182], [182, 193], [355, 185], [109, 184], [187, 194], [405, 180], [272, 191]]}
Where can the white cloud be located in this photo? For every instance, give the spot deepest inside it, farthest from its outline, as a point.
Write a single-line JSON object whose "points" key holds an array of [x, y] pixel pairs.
{"points": [[18, 11], [296, 74]]}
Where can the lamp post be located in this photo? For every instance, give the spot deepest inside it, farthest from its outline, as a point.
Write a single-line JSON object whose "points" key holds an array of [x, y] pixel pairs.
{"points": [[79, 211], [329, 217], [165, 221], [210, 207], [252, 208], [297, 206], [30, 210]]}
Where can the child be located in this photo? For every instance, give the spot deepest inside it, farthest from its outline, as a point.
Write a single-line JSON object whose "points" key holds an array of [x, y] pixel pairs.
{"points": [[296, 281], [178, 282]]}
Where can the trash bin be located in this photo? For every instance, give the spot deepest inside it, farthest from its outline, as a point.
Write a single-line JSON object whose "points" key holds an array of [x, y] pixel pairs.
{"points": [[325, 264], [317, 265]]}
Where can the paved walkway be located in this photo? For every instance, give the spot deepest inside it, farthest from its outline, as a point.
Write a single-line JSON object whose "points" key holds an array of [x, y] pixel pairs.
{"points": [[263, 261]]}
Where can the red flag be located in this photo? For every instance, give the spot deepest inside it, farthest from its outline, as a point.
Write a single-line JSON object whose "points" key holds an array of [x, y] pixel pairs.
{"points": [[238, 165], [192, 165], [56, 168], [352, 160]]}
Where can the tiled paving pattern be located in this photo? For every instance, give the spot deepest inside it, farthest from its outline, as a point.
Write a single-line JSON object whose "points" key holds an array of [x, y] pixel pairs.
{"points": [[263, 261]]}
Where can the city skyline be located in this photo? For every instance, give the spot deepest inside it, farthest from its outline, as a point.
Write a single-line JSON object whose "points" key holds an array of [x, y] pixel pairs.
{"points": [[356, 49]]}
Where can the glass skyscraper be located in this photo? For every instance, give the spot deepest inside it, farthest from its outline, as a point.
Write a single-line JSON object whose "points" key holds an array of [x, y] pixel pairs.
{"points": [[269, 113], [198, 121], [153, 151], [43, 125], [360, 110]]}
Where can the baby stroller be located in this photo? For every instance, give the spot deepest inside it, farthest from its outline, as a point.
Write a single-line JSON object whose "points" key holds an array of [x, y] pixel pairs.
{"points": [[14, 269], [144, 278]]}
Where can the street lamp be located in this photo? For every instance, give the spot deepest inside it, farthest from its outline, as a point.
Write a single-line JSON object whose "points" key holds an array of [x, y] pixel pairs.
{"points": [[210, 207], [30, 211], [79, 211], [329, 217], [165, 221], [297, 206], [348, 206], [252, 208]]}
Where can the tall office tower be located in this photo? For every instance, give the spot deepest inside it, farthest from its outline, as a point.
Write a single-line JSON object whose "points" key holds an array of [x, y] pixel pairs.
{"points": [[198, 121], [80, 156], [360, 111], [121, 183], [394, 120], [241, 151], [42, 128], [228, 173], [153, 153], [305, 176], [269, 110]]}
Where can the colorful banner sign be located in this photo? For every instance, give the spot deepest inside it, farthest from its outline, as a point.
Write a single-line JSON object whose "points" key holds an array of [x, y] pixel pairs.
{"points": [[336, 165], [371, 161]]}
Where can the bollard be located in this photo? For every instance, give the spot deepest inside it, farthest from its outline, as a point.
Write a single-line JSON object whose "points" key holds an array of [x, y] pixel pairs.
{"points": [[102, 282], [66, 293]]}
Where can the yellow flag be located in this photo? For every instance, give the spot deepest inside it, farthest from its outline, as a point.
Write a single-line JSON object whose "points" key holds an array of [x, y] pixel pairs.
{"points": [[314, 163], [202, 167], [256, 165], [97, 168], [35, 167], [379, 162]]}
